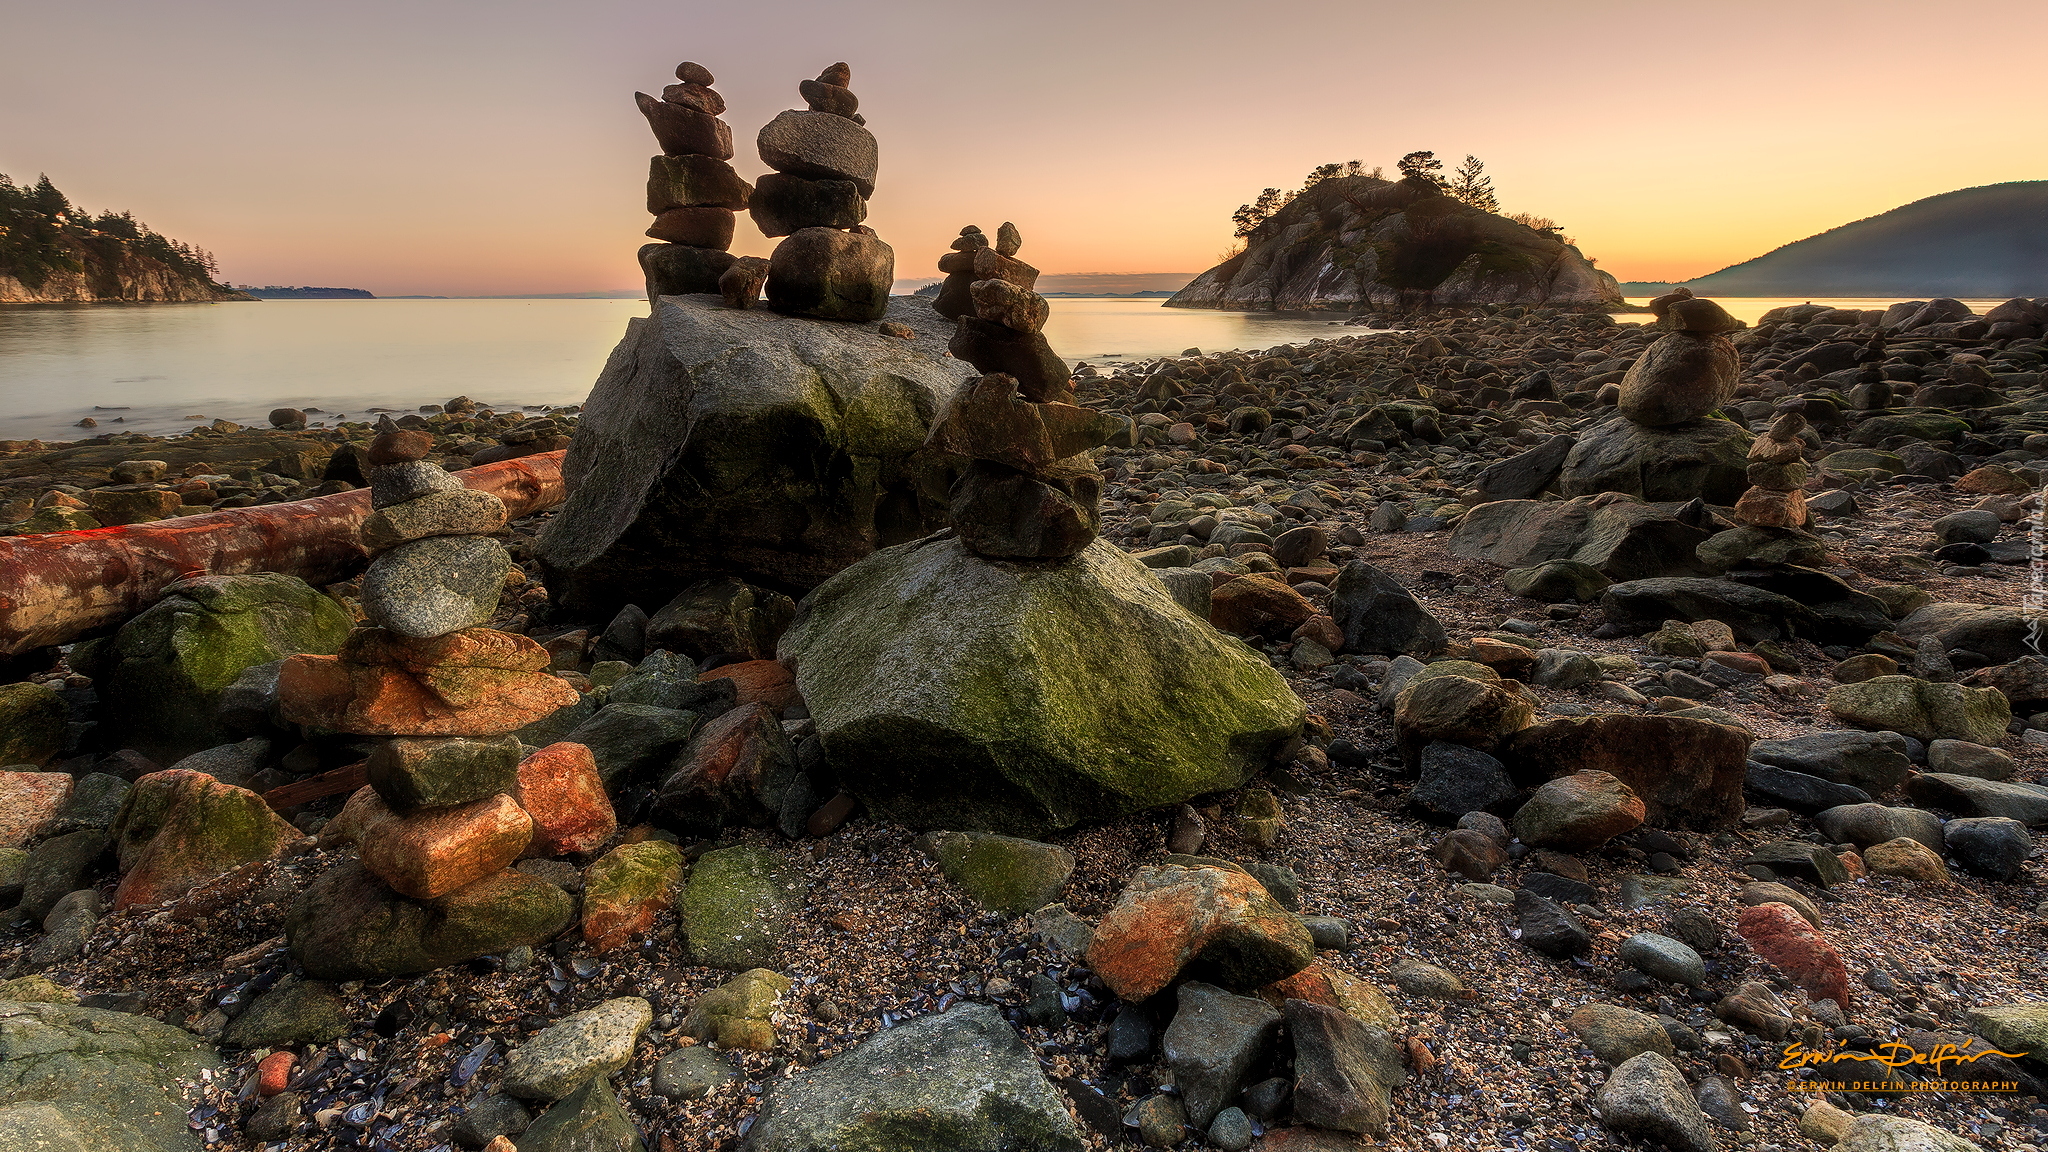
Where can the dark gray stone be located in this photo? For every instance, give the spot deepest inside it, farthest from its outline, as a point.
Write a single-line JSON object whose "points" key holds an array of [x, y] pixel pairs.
{"points": [[435, 586], [1548, 928], [1379, 616], [960, 1080], [1994, 846], [1797, 790], [1875, 762], [1215, 1038], [1456, 780]]}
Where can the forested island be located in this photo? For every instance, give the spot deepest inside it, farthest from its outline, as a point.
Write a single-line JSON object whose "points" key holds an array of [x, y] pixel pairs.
{"points": [[52, 251]]}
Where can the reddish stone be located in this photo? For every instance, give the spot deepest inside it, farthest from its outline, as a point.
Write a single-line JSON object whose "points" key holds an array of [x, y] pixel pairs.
{"points": [[1313, 574], [759, 682], [1322, 630], [1305, 1140], [382, 686], [1992, 480], [28, 802], [625, 889], [180, 828], [1741, 662], [1258, 604], [730, 760], [438, 850], [1218, 923], [1510, 660], [274, 1073], [830, 815], [1779, 934], [1332, 987], [560, 788]]}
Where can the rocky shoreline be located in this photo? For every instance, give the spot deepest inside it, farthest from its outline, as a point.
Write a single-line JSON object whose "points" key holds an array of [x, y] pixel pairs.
{"points": [[1518, 730]]}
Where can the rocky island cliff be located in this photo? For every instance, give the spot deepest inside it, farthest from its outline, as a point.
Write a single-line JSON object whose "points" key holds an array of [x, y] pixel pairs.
{"points": [[1357, 242], [52, 252]]}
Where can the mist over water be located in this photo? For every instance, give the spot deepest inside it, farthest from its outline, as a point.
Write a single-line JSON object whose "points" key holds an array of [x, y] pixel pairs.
{"points": [[162, 368]]}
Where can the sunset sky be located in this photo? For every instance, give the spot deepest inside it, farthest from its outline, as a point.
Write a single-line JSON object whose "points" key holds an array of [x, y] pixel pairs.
{"points": [[451, 147]]}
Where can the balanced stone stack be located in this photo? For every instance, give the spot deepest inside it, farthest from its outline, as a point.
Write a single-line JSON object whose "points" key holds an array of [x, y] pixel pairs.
{"points": [[1030, 491], [1690, 371], [439, 817], [996, 677], [1777, 470], [692, 191], [999, 330], [1668, 445], [829, 266]]}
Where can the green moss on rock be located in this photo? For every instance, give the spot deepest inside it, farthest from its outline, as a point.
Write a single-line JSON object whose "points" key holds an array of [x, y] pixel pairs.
{"points": [[32, 719], [738, 906], [956, 692]]}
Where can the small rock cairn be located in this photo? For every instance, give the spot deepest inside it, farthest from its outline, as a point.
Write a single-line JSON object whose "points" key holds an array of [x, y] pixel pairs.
{"points": [[1030, 491], [692, 192], [443, 693], [1690, 371], [829, 266], [1777, 471]]}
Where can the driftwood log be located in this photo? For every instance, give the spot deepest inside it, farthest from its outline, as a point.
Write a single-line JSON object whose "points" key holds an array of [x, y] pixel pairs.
{"points": [[57, 586]]}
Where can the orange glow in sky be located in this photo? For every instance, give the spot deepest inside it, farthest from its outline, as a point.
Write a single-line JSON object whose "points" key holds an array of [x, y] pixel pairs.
{"points": [[461, 148]]}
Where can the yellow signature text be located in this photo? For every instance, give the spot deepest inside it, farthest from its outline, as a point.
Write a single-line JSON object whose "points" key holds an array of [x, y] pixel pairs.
{"points": [[1892, 1054]]}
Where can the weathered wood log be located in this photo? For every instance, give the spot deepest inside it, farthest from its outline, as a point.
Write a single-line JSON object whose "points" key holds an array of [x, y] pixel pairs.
{"points": [[57, 586], [336, 783]]}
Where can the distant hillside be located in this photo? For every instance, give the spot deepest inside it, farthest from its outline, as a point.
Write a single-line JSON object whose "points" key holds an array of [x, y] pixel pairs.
{"points": [[1989, 242], [275, 292], [1351, 243], [54, 252]]}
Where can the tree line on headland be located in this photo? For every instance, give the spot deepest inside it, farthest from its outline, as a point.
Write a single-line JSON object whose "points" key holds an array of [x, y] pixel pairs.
{"points": [[50, 249]]}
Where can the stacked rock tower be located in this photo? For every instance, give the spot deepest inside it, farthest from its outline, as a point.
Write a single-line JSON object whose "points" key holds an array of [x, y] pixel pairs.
{"points": [[1690, 371], [829, 266], [1777, 471], [1030, 490], [450, 803], [692, 191]]}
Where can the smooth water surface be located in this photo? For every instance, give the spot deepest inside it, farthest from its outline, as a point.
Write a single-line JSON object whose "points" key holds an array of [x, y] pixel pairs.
{"points": [[162, 368]]}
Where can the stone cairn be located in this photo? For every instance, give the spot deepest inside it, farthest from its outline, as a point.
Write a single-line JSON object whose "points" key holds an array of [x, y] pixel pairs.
{"points": [[1690, 371], [692, 192], [1777, 471], [1030, 490], [450, 802], [829, 266]]}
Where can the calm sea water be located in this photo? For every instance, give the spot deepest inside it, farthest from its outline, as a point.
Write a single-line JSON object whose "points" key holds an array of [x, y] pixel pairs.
{"points": [[161, 368]]}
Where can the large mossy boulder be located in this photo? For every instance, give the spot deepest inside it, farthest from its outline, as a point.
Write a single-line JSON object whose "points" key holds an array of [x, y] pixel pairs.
{"points": [[738, 442], [1923, 709], [348, 926], [956, 692], [160, 683], [85, 1078], [1705, 459]]}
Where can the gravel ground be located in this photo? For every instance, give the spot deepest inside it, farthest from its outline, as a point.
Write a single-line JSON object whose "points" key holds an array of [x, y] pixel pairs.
{"points": [[884, 936]]}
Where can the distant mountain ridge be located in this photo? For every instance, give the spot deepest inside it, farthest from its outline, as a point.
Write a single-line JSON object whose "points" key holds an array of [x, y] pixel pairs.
{"points": [[1984, 242]]}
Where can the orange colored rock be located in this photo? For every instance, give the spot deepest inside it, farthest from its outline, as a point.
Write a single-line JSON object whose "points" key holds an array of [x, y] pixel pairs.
{"points": [[471, 683], [1218, 924], [1322, 630], [28, 802], [759, 682], [437, 850], [1332, 987], [1510, 660], [1992, 480], [1780, 935], [625, 889], [179, 828], [1767, 509], [1258, 604], [1741, 662], [274, 1073], [560, 788]]}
